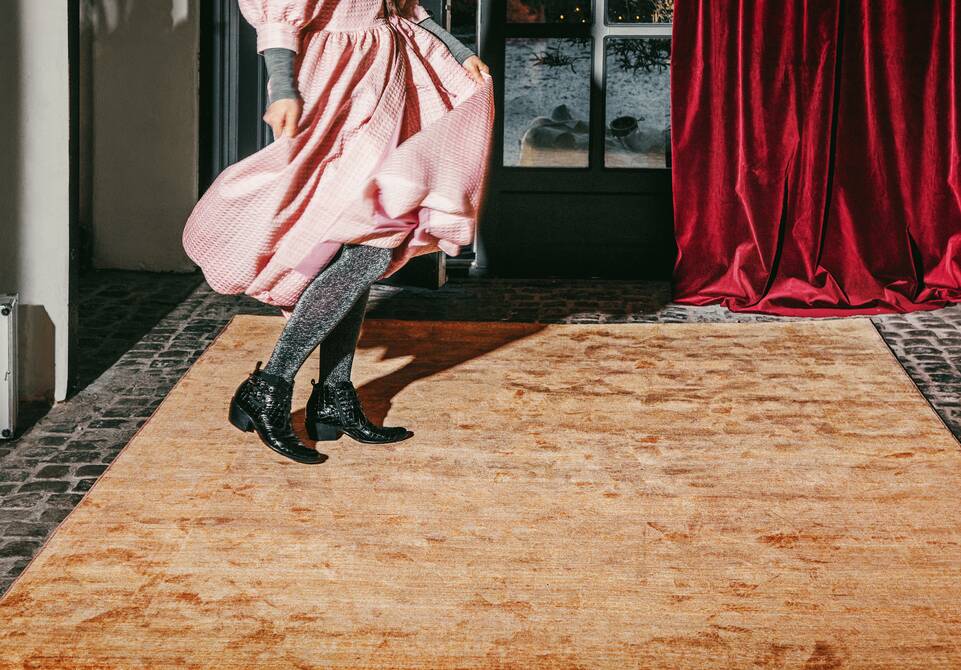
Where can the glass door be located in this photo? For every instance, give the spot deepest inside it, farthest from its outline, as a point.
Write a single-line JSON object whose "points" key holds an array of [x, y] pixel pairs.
{"points": [[580, 174]]}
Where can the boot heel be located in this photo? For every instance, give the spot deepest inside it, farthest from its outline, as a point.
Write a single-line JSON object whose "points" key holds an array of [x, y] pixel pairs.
{"points": [[321, 432], [240, 419]]}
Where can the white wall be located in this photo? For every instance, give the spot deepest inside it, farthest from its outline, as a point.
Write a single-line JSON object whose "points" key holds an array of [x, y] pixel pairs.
{"points": [[138, 150], [35, 187], [144, 130]]}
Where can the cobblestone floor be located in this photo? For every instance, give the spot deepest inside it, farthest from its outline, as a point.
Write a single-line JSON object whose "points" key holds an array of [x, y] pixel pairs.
{"points": [[134, 355], [117, 308]]}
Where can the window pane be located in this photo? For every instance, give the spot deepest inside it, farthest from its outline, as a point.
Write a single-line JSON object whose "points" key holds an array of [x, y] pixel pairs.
{"points": [[637, 102], [548, 11], [640, 11], [547, 90]]}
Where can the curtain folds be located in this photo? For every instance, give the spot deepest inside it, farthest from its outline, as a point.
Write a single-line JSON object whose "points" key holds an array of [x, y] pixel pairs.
{"points": [[817, 155]]}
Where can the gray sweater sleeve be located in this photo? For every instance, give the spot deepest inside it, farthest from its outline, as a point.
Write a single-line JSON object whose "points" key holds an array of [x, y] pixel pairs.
{"points": [[280, 72], [459, 50]]}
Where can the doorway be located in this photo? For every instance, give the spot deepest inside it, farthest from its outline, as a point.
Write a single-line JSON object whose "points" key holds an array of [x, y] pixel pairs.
{"points": [[580, 182], [580, 168]]}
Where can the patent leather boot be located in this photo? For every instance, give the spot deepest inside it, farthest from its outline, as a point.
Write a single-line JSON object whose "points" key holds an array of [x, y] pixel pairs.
{"points": [[334, 410], [321, 417], [262, 404]]}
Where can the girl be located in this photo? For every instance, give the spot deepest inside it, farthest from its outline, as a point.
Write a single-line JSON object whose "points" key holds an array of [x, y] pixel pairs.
{"points": [[382, 124]]}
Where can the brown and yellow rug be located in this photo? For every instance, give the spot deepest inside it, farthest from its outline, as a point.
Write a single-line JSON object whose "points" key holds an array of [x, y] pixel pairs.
{"points": [[610, 496]]}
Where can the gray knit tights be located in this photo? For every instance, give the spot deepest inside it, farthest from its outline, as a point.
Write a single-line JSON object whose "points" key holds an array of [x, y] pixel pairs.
{"points": [[329, 313]]}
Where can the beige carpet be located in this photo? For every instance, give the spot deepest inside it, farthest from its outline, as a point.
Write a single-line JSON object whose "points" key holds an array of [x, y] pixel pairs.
{"points": [[610, 496]]}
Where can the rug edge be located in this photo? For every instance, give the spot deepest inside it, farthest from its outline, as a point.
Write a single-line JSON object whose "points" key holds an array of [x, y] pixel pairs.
{"points": [[56, 529], [906, 376]]}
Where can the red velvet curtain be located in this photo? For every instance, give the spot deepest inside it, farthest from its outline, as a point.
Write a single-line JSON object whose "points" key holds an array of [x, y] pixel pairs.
{"points": [[817, 154]]}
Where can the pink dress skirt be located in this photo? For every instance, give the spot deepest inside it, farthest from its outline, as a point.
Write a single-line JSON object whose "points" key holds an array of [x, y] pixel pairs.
{"points": [[391, 151]]}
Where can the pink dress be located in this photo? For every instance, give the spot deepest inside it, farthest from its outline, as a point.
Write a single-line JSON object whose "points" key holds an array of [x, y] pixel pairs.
{"points": [[391, 151]]}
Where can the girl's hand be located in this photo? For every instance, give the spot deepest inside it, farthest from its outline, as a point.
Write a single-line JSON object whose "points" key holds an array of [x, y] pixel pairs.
{"points": [[283, 116], [474, 66]]}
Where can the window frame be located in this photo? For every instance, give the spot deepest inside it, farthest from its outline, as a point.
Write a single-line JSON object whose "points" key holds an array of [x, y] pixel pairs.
{"points": [[597, 31]]}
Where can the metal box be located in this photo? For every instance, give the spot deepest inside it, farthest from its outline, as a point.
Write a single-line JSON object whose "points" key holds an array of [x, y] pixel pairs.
{"points": [[9, 394]]}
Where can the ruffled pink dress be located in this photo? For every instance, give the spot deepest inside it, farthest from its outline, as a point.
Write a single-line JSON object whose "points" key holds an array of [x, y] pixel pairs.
{"points": [[391, 151]]}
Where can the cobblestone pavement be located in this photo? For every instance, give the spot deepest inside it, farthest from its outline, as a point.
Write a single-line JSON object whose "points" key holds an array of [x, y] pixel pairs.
{"points": [[45, 472], [117, 308]]}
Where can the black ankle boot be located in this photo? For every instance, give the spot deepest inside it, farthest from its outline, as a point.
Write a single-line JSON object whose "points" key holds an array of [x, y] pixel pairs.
{"points": [[334, 410], [262, 404]]}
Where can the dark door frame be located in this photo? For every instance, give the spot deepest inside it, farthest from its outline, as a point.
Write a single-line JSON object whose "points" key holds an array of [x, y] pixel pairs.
{"points": [[231, 105], [73, 224]]}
